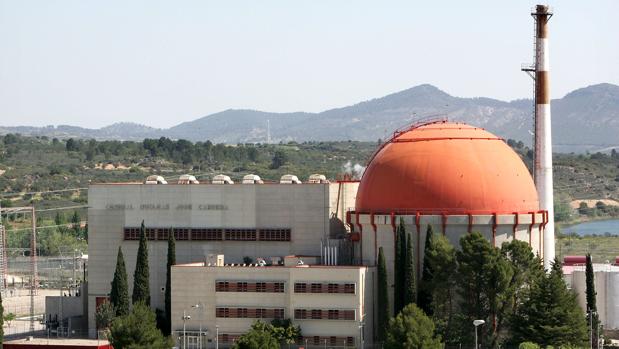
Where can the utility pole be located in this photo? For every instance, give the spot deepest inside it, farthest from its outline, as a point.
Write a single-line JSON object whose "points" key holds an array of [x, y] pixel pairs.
{"points": [[33, 267]]}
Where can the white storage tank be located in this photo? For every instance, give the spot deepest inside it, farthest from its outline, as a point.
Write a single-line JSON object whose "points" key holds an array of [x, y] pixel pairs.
{"points": [[187, 179], [154, 179], [222, 179], [252, 179], [318, 178], [289, 179]]}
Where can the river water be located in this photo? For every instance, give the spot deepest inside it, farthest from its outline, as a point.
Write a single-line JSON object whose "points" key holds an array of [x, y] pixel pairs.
{"points": [[594, 227]]}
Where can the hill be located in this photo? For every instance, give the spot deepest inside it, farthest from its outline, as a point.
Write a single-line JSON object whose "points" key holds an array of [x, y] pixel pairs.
{"points": [[586, 119]]}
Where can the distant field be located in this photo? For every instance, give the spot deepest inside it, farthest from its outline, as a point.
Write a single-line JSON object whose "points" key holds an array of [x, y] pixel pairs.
{"points": [[602, 248]]}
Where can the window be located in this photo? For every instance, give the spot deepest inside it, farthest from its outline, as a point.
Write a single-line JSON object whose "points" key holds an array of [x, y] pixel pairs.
{"points": [[274, 234], [222, 286], [348, 315], [316, 288], [261, 286], [207, 234], [279, 287], [300, 314], [350, 341], [132, 233], [332, 340], [278, 313], [334, 314], [222, 312], [261, 313], [316, 340], [300, 287], [349, 288], [241, 313], [316, 314], [181, 233], [333, 288], [151, 233], [241, 287], [163, 233], [240, 234]]}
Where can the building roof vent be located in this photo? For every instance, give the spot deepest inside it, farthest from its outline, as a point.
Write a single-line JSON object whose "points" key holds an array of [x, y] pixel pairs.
{"points": [[289, 179], [154, 179], [222, 179], [187, 179], [318, 178], [252, 179]]}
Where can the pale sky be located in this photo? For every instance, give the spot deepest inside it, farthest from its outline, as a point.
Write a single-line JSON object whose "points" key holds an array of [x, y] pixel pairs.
{"points": [[159, 63]]}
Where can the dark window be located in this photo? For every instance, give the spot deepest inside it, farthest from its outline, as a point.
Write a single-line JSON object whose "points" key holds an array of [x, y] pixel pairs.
{"points": [[349, 288], [332, 340], [261, 286], [334, 314], [222, 312], [316, 288], [132, 233], [300, 314], [333, 288], [278, 313], [207, 234], [316, 314], [241, 312], [181, 233], [240, 234], [151, 233], [347, 315], [274, 234], [163, 233], [316, 340], [279, 287], [300, 287], [241, 287], [350, 341]]}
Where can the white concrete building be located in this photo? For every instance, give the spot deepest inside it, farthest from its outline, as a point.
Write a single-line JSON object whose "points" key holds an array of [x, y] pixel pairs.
{"points": [[236, 220]]}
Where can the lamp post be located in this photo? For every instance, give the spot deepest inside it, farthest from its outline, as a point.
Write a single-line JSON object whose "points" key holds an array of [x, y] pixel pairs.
{"points": [[185, 318], [361, 324], [216, 336], [477, 323], [590, 314], [198, 306]]}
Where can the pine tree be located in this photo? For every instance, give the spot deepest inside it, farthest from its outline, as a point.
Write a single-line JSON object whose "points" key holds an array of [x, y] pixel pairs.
{"points": [[119, 296], [592, 316], [412, 329], [383, 297], [141, 290], [138, 330], [441, 258], [550, 315], [410, 284], [168, 286], [424, 298]]}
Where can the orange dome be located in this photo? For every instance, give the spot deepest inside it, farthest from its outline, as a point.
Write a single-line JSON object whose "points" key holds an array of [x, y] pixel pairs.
{"points": [[450, 168]]}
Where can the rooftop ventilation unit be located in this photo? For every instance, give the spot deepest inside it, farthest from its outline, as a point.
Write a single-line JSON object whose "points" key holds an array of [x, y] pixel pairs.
{"points": [[187, 179], [289, 179], [252, 179], [318, 178], [222, 179], [154, 179]]}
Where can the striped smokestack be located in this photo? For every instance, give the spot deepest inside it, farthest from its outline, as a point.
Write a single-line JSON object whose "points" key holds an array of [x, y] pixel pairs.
{"points": [[543, 135]]}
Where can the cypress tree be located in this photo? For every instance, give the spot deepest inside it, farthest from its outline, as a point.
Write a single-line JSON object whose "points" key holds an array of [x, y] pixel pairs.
{"points": [[399, 267], [119, 296], [592, 316], [383, 297], [410, 284], [424, 299], [141, 290], [168, 285]]}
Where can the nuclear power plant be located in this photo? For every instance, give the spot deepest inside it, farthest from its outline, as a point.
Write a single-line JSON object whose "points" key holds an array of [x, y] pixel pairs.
{"points": [[307, 249]]}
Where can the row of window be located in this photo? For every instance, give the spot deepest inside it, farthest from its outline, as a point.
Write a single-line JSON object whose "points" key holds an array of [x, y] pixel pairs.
{"points": [[308, 340], [242, 286], [322, 314], [211, 234], [301, 287], [250, 313]]}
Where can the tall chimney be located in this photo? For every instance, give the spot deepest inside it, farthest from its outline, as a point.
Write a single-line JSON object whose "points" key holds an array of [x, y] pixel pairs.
{"points": [[543, 135]]}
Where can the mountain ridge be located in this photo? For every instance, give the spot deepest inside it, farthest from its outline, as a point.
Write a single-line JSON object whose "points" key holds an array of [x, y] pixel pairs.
{"points": [[585, 119]]}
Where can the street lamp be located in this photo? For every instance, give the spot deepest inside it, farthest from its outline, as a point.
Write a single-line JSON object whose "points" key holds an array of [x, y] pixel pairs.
{"points": [[477, 323], [198, 306], [216, 336], [185, 318], [361, 324], [590, 314]]}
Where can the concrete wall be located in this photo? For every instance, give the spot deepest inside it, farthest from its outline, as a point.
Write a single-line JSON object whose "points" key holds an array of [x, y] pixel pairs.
{"points": [[309, 210]]}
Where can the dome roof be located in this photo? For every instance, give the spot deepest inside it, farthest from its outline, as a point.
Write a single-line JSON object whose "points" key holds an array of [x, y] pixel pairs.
{"points": [[444, 167]]}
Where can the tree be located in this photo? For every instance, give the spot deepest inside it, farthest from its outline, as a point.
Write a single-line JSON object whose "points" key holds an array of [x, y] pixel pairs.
{"points": [[592, 315], [280, 158], [76, 221], [424, 298], [412, 329], [382, 298], [285, 331], [441, 259], [483, 279], [550, 315], [410, 284], [138, 330], [399, 267], [119, 296], [104, 315], [260, 336], [8, 318], [168, 284], [141, 290]]}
